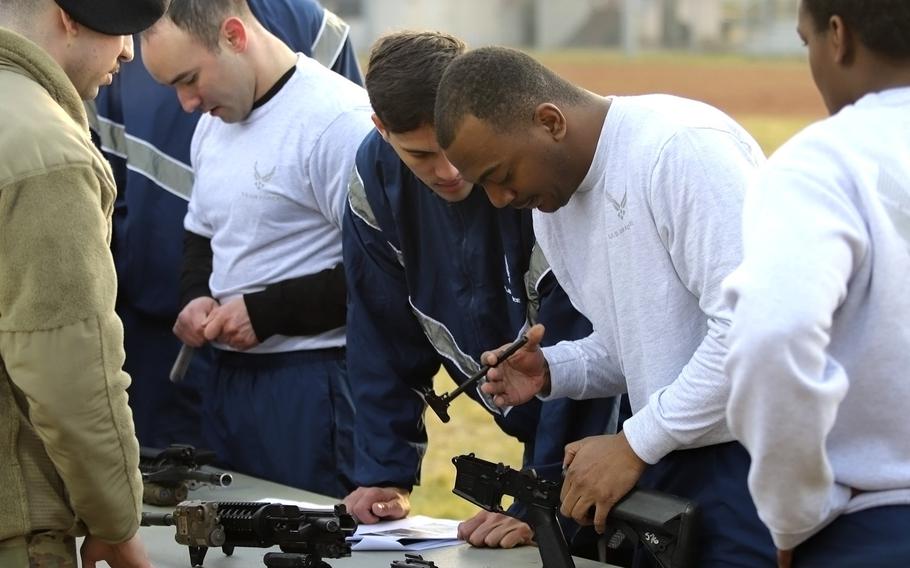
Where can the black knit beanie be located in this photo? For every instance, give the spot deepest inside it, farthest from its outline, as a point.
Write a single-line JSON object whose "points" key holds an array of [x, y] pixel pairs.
{"points": [[115, 17]]}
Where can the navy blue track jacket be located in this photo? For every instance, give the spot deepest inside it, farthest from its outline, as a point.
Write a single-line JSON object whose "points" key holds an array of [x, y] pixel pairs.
{"points": [[432, 282]]}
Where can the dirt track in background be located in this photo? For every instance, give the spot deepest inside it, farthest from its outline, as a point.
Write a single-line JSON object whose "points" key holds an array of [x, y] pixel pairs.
{"points": [[739, 87]]}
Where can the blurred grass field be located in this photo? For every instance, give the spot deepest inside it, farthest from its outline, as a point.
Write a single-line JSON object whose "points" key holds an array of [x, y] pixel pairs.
{"points": [[772, 99]]}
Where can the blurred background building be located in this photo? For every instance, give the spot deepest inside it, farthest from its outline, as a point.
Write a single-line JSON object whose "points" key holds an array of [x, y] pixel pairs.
{"points": [[758, 27]]}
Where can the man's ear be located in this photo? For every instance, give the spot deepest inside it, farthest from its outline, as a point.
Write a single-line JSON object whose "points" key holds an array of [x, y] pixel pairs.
{"points": [[234, 34], [70, 25], [383, 131], [552, 119], [841, 40]]}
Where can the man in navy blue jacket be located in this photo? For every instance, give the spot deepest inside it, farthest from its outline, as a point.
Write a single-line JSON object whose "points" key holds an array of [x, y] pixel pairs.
{"points": [[146, 135], [435, 273]]}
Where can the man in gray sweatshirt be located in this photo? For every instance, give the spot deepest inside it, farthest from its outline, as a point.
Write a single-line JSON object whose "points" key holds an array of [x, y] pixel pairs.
{"points": [[820, 343], [638, 204]]}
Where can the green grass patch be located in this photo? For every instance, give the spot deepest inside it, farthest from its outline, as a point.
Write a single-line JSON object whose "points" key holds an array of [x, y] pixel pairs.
{"points": [[772, 131]]}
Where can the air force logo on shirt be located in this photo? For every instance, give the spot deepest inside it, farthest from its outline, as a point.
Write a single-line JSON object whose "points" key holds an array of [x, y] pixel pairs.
{"points": [[619, 206], [262, 179], [262, 182]]}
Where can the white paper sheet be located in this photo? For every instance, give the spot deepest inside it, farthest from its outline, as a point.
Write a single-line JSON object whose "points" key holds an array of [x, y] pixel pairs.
{"points": [[411, 533]]}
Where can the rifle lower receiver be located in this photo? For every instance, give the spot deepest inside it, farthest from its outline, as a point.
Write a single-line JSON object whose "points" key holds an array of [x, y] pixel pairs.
{"points": [[665, 525]]}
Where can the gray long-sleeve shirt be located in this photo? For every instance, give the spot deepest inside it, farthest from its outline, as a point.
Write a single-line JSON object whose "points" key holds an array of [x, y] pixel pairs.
{"points": [[820, 345], [641, 248]]}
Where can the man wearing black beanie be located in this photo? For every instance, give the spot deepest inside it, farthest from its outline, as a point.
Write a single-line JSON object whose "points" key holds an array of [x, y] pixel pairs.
{"points": [[68, 452]]}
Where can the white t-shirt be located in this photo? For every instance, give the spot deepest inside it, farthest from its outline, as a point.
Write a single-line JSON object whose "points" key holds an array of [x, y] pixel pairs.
{"points": [[270, 191], [641, 249], [820, 345]]}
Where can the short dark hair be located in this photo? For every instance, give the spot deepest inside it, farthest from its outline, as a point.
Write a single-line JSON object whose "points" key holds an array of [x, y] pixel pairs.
{"points": [[500, 86], [202, 18], [881, 25], [403, 74]]}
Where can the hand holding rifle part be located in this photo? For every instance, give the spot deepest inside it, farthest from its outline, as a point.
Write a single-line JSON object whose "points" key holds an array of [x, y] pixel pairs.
{"points": [[440, 403], [665, 525]]}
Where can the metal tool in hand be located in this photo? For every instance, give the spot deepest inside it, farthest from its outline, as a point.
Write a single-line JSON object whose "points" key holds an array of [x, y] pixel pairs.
{"points": [[182, 363], [440, 403]]}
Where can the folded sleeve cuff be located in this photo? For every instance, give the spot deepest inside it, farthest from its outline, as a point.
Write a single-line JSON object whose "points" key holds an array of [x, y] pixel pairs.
{"points": [[647, 437], [567, 371]]}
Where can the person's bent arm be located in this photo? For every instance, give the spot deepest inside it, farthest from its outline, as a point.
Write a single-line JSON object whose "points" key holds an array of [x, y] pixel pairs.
{"points": [[697, 191], [62, 343], [388, 360], [803, 242], [196, 301], [306, 305], [196, 268]]}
